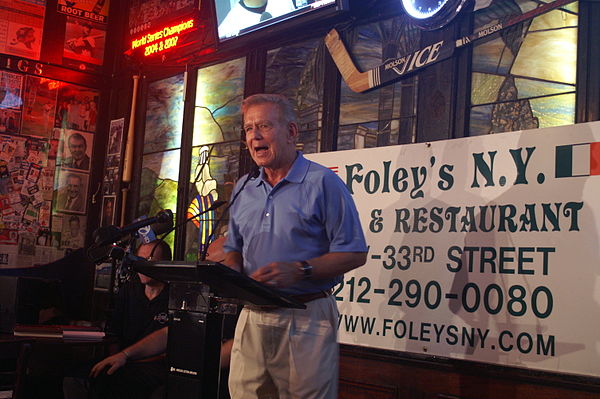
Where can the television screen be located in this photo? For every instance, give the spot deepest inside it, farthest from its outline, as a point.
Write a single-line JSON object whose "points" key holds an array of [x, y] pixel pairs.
{"points": [[237, 17]]}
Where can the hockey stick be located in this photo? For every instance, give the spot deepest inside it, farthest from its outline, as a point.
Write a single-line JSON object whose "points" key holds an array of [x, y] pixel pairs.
{"points": [[394, 68]]}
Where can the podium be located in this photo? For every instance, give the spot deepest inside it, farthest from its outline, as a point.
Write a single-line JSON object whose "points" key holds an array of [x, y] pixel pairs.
{"points": [[200, 295]]}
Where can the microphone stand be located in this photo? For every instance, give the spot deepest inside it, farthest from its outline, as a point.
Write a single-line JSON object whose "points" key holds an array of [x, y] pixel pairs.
{"points": [[252, 175], [214, 206]]}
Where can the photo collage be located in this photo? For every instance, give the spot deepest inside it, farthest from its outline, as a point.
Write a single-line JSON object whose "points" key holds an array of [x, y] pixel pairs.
{"points": [[46, 138]]}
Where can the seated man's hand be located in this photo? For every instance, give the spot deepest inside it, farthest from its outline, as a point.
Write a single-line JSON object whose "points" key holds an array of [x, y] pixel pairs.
{"points": [[113, 363]]}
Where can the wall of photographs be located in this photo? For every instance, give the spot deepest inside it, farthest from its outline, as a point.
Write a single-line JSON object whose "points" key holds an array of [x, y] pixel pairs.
{"points": [[47, 126], [47, 130]]}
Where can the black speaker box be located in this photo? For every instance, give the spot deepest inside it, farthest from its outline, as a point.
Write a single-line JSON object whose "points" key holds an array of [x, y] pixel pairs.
{"points": [[193, 348], [187, 333]]}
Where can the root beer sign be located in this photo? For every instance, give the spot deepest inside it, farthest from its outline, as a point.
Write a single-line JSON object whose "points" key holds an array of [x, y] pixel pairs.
{"points": [[96, 10]]}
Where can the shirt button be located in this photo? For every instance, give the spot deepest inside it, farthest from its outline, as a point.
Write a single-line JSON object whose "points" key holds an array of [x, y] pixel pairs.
{"points": [[268, 214]]}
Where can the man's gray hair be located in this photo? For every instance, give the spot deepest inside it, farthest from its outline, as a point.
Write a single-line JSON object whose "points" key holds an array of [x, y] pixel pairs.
{"points": [[286, 109]]}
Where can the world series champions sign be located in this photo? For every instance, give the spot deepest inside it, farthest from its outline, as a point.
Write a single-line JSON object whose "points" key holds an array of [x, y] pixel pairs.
{"points": [[482, 248]]}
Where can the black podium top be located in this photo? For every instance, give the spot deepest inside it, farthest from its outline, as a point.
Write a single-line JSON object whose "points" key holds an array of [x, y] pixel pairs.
{"points": [[222, 280]]}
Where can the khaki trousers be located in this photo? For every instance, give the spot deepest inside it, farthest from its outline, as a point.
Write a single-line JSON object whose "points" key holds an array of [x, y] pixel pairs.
{"points": [[286, 353]]}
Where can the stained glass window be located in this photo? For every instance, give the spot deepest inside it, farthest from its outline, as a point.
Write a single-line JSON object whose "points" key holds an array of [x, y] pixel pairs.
{"points": [[387, 115], [215, 152], [162, 141], [164, 114], [296, 71], [524, 77]]}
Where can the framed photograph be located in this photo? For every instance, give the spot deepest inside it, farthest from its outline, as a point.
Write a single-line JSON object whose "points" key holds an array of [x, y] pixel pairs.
{"points": [[71, 193], [73, 231], [107, 182], [115, 136], [108, 210], [112, 161], [26, 244], [77, 108], [75, 150], [24, 40], [84, 41], [10, 121], [39, 106], [11, 85], [116, 180]]}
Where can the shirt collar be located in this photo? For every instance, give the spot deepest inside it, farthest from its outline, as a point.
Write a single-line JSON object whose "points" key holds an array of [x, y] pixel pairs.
{"points": [[296, 174]]}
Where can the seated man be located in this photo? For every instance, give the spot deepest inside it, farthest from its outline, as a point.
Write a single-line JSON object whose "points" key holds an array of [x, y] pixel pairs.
{"points": [[141, 308], [156, 344]]}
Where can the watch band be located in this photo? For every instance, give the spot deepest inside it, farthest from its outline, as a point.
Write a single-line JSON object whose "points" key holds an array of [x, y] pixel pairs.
{"points": [[306, 270]]}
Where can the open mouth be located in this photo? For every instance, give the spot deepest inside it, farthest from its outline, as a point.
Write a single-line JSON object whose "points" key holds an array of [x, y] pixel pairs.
{"points": [[260, 149]]}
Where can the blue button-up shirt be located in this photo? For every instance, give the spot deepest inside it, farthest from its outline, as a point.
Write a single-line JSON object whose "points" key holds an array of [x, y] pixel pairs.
{"points": [[307, 214]]}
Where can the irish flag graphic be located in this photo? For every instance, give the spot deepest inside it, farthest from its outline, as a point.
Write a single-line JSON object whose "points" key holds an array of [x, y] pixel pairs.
{"points": [[578, 160]]}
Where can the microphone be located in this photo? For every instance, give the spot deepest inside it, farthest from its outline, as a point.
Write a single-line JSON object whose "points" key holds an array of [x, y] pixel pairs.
{"points": [[215, 205], [149, 233], [111, 234], [105, 237]]}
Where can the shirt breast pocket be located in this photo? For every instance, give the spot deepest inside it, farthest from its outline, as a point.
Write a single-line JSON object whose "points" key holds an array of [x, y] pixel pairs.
{"points": [[302, 219]]}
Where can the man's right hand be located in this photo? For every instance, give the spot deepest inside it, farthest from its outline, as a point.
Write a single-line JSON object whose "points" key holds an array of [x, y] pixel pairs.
{"points": [[114, 363]]}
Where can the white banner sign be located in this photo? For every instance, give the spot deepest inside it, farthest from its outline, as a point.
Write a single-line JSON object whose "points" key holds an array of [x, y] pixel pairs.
{"points": [[483, 248]]}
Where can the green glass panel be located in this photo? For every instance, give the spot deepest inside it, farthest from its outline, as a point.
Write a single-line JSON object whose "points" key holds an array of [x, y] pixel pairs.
{"points": [[555, 110], [573, 7], [164, 114], [550, 55], [545, 59], [219, 94], [554, 20], [215, 155], [297, 72], [158, 184], [532, 88], [492, 56], [485, 88]]}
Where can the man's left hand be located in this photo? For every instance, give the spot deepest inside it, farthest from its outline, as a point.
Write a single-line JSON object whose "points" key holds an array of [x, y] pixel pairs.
{"points": [[278, 274]]}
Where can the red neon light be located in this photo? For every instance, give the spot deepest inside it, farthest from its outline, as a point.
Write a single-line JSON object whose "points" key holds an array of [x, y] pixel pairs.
{"points": [[163, 39]]}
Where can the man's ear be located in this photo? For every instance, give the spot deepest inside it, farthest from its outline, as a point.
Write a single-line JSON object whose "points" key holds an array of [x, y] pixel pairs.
{"points": [[292, 132]]}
